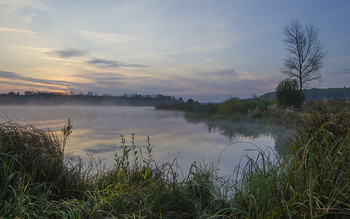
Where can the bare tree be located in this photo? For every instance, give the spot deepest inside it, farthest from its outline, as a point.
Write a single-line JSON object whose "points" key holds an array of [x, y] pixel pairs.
{"points": [[306, 55]]}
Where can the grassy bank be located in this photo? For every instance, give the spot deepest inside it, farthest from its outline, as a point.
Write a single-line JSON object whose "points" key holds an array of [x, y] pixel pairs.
{"points": [[310, 180], [235, 109], [256, 109]]}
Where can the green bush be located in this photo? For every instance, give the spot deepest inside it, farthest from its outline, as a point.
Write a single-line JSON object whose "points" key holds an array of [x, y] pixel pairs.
{"points": [[288, 94], [236, 105]]}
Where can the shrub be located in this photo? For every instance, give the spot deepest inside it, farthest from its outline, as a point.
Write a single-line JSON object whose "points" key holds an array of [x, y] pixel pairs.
{"points": [[288, 94], [235, 105]]}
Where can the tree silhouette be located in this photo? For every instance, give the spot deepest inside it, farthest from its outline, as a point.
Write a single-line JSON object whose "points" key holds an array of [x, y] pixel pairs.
{"points": [[288, 93], [306, 55]]}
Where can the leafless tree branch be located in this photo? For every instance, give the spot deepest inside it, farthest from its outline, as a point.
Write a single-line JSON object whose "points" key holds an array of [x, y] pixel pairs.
{"points": [[306, 55]]}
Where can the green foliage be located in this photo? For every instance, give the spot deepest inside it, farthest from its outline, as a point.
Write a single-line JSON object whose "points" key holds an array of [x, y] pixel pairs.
{"points": [[189, 106], [331, 106], [310, 180], [38, 154], [36, 182], [256, 107], [33, 171], [288, 94], [318, 94], [328, 93], [233, 108]]}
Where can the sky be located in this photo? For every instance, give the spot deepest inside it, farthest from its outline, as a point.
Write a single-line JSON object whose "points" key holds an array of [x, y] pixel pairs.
{"points": [[202, 49]]}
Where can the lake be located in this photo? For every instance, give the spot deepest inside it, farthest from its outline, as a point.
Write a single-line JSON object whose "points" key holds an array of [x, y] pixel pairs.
{"points": [[97, 131]]}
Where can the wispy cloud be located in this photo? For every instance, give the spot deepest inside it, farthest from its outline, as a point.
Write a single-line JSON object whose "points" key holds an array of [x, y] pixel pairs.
{"points": [[105, 63], [69, 53], [217, 85], [101, 63], [15, 30], [101, 148], [221, 83], [25, 85], [224, 73], [29, 80], [105, 37], [99, 76], [18, 81], [19, 5]]}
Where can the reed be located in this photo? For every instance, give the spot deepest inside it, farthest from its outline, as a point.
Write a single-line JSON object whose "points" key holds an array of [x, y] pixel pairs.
{"points": [[311, 179]]}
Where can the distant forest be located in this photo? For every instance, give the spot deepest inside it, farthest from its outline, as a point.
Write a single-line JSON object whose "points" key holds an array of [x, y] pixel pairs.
{"points": [[54, 98], [318, 94]]}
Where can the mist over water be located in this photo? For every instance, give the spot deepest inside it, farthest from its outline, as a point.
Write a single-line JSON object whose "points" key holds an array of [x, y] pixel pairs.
{"points": [[97, 131]]}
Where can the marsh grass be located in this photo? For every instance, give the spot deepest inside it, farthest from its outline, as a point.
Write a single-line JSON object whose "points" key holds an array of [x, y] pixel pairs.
{"points": [[310, 180], [33, 171], [38, 181]]}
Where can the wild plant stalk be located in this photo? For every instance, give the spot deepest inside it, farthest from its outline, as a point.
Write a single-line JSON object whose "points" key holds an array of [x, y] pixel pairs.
{"points": [[66, 132], [310, 180], [33, 171]]}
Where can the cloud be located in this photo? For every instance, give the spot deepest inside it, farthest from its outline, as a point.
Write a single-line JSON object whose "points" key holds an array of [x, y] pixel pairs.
{"points": [[224, 73], [218, 79], [98, 62], [26, 85], [20, 5], [213, 85], [105, 80], [105, 37], [4, 74], [69, 53], [14, 30], [219, 84], [102, 148], [101, 76], [96, 82], [16, 81], [15, 76], [105, 63]]}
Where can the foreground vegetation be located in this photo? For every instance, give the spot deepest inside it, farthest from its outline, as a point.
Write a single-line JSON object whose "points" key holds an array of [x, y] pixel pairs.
{"points": [[310, 180]]}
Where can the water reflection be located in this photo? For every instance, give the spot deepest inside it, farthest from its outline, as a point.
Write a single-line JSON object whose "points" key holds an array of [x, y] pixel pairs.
{"points": [[238, 129], [233, 130], [173, 135]]}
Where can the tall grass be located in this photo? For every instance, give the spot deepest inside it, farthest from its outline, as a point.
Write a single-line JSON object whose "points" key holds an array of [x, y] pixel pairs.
{"points": [[33, 171], [310, 180], [37, 181]]}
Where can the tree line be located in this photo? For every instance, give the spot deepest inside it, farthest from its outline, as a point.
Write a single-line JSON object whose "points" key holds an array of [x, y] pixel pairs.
{"points": [[318, 94], [57, 98]]}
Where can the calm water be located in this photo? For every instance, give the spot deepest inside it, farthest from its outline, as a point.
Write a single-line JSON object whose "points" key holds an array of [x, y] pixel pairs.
{"points": [[97, 130]]}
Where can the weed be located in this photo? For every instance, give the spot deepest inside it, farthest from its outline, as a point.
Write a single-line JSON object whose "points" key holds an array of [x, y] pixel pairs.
{"points": [[311, 179]]}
